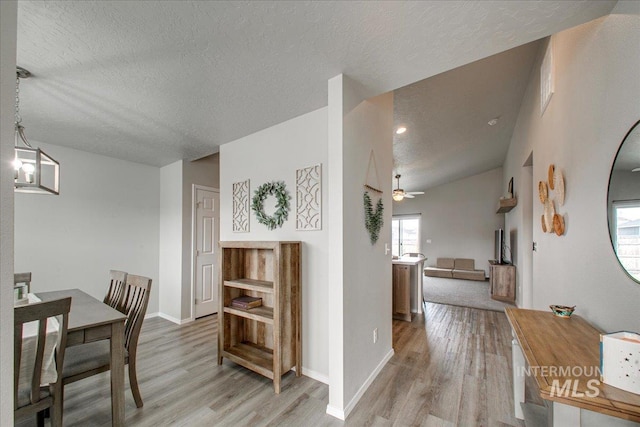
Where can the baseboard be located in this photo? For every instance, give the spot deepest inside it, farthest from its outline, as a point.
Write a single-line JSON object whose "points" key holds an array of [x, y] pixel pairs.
{"points": [[174, 320], [335, 412], [150, 315], [315, 375], [343, 414]]}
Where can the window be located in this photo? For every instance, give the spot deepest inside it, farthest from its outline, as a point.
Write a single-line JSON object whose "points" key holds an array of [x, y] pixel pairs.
{"points": [[627, 235], [405, 234]]}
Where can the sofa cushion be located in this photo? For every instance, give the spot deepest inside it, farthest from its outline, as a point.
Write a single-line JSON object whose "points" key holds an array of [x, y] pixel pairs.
{"points": [[464, 264], [468, 274], [438, 272], [445, 263]]}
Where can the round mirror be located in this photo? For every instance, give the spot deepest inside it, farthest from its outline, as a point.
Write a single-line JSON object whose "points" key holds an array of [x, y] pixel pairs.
{"points": [[623, 203]]}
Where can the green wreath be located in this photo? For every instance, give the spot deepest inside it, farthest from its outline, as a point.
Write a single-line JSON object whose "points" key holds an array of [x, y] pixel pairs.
{"points": [[279, 190]]}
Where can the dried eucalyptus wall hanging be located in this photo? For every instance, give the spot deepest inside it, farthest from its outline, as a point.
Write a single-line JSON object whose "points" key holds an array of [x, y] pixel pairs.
{"points": [[279, 190], [373, 220]]}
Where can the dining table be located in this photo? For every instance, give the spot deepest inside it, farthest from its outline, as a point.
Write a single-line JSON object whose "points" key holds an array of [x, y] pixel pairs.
{"points": [[91, 320]]}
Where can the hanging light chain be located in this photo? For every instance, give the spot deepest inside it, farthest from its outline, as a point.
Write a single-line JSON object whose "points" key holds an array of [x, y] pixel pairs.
{"points": [[18, 118], [22, 73]]}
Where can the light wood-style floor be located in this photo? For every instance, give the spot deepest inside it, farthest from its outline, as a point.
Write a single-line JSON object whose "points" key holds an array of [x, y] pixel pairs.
{"points": [[453, 370]]}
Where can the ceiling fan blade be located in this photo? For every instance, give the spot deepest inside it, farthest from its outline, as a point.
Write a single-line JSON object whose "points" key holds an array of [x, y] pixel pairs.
{"points": [[416, 192], [409, 196]]}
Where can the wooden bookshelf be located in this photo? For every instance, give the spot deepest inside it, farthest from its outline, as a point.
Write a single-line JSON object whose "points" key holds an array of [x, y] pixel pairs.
{"points": [[265, 339]]}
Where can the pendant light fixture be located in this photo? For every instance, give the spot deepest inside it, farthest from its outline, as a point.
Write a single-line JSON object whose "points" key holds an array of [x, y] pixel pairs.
{"points": [[34, 170]]}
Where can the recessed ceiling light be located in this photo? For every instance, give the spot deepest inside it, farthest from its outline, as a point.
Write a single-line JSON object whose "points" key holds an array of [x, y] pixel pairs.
{"points": [[635, 170], [493, 121], [401, 130]]}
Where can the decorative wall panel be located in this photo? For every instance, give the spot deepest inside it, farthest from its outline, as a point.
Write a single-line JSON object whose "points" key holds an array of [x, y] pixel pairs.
{"points": [[241, 206], [309, 198]]}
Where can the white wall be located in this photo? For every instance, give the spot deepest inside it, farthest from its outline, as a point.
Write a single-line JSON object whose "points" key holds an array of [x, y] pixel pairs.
{"points": [[459, 218], [358, 270], [8, 24], [106, 217], [205, 171], [335, 322], [170, 248], [367, 276], [595, 103], [176, 217], [275, 154]]}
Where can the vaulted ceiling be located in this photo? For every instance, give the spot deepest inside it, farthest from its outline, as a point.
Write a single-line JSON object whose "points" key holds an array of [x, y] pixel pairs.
{"points": [[155, 82], [447, 118]]}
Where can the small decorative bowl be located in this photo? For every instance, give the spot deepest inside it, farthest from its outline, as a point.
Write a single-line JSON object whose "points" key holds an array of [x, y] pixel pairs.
{"points": [[562, 310]]}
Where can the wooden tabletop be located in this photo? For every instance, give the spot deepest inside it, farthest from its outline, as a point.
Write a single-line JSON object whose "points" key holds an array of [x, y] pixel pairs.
{"points": [[558, 350], [85, 309]]}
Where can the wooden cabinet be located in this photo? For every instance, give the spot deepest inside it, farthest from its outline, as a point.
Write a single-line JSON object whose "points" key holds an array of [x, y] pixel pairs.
{"points": [[402, 292], [264, 339], [502, 281]]}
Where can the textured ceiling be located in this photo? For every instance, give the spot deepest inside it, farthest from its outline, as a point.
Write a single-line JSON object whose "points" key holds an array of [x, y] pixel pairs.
{"points": [[448, 136], [158, 81]]}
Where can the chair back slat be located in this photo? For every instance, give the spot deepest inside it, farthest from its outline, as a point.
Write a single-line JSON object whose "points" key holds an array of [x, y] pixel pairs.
{"points": [[17, 358], [37, 373], [40, 312], [135, 302], [115, 294]]}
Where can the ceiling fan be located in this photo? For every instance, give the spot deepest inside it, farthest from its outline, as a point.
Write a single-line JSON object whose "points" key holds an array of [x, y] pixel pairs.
{"points": [[399, 193]]}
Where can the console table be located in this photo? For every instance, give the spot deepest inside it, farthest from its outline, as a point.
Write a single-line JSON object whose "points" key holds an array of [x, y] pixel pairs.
{"points": [[563, 356]]}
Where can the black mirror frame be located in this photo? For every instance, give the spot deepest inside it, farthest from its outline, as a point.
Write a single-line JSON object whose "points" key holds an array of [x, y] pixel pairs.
{"points": [[607, 204]]}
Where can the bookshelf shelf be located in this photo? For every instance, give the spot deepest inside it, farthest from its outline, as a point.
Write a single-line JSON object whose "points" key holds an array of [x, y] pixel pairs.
{"points": [[251, 285], [257, 358], [262, 314]]}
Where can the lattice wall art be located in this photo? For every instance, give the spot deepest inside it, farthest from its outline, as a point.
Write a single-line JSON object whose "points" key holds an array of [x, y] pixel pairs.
{"points": [[241, 206], [309, 198]]}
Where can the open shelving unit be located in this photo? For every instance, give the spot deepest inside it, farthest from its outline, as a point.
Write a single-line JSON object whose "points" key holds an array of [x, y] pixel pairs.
{"points": [[265, 339]]}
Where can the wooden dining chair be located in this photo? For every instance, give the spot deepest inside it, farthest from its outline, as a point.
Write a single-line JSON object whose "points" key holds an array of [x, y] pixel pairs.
{"points": [[31, 397], [86, 360], [116, 288]]}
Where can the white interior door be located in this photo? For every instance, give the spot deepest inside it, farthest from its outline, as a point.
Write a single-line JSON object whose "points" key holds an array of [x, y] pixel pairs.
{"points": [[206, 231]]}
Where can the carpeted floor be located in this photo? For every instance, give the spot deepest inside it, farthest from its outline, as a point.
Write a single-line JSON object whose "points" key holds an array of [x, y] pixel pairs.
{"points": [[465, 293]]}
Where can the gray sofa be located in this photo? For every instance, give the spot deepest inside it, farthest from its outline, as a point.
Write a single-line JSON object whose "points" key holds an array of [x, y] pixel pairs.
{"points": [[455, 268]]}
